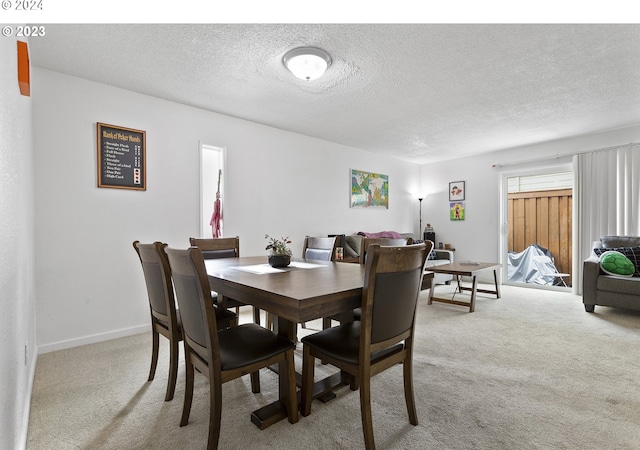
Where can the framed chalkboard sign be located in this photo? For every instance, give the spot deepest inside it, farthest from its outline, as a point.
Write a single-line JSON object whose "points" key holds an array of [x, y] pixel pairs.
{"points": [[121, 158]]}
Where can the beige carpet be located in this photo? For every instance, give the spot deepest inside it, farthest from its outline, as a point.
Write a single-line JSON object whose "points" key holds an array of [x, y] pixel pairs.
{"points": [[531, 370]]}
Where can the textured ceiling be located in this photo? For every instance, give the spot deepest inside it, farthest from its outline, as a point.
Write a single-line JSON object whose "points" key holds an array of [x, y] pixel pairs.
{"points": [[421, 93]]}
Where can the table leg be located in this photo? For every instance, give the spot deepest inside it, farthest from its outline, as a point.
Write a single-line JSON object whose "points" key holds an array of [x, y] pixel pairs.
{"points": [[322, 389], [474, 287], [495, 280], [433, 285], [276, 411]]}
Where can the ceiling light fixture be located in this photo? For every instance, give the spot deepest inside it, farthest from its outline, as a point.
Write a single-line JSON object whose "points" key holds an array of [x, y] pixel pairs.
{"points": [[307, 63]]}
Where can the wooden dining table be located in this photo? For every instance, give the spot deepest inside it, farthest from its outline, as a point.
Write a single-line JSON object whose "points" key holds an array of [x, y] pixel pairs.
{"points": [[304, 291]]}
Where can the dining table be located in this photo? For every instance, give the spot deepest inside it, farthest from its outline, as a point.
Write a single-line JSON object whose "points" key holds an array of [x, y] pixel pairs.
{"points": [[303, 291]]}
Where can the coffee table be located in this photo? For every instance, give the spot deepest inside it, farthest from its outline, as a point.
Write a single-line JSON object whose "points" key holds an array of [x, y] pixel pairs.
{"points": [[471, 269]]}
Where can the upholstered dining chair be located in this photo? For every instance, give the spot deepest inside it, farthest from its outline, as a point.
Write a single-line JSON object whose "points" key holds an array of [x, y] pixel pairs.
{"points": [[213, 248], [221, 355], [165, 318], [319, 248], [366, 242], [384, 335]]}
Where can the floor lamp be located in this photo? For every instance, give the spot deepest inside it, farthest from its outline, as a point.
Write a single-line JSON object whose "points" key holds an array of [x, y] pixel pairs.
{"points": [[420, 200]]}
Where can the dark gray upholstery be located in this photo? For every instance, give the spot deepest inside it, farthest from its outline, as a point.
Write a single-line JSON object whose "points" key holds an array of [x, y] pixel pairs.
{"points": [[601, 289]]}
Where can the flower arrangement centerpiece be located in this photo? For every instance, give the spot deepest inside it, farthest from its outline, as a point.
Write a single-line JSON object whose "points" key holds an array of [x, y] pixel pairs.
{"points": [[279, 253]]}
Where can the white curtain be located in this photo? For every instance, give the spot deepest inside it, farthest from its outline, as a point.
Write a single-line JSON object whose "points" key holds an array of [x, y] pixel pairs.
{"points": [[607, 198]]}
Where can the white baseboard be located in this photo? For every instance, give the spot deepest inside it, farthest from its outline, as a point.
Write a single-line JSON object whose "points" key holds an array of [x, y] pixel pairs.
{"points": [[91, 339], [22, 443]]}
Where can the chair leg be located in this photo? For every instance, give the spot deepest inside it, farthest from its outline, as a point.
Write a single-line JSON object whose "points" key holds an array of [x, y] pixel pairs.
{"points": [[255, 382], [308, 362], [409, 397], [155, 337], [365, 412], [174, 352], [292, 407], [188, 388], [215, 413]]}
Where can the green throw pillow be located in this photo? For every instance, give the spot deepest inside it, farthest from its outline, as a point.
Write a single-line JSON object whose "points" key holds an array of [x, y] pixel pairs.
{"points": [[615, 263]]}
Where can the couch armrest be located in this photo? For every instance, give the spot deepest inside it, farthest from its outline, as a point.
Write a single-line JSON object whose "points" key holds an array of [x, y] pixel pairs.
{"points": [[590, 273], [444, 254]]}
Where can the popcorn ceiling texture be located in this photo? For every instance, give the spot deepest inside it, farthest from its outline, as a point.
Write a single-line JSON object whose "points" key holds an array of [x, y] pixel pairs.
{"points": [[422, 93]]}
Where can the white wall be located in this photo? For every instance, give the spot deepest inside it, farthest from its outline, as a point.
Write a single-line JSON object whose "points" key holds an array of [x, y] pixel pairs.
{"points": [[89, 284], [17, 318], [478, 236]]}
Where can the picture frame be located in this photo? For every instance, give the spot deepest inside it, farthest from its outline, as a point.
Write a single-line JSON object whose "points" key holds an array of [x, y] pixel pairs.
{"points": [[456, 211], [121, 157], [369, 190], [456, 191]]}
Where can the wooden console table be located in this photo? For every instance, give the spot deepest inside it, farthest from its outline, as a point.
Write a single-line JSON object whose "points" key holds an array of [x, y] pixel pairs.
{"points": [[459, 269]]}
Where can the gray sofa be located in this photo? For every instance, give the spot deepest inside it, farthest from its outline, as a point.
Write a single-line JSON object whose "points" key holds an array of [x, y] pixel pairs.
{"points": [[598, 288], [353, 242]]}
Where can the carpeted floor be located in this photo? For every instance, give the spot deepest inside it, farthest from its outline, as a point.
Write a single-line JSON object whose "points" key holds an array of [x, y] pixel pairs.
{"points": [[531, 370]]}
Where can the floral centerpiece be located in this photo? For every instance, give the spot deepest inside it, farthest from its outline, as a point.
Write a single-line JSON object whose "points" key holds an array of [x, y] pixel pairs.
{"points": [[279, 253]]}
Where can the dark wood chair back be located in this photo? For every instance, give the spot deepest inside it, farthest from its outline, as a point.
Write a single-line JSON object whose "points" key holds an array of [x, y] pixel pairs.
{"points": [[366, 242], [319, 248], [165, 319], [393, 280], [194, 299], [213, 248]]}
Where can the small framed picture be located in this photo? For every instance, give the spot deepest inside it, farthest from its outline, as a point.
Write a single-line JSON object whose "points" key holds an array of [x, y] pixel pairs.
{"points": [[456, 191]]}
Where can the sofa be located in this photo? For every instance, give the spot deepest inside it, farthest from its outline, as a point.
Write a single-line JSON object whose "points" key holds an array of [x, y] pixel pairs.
{"points": [[353, 242], [600, 288]]}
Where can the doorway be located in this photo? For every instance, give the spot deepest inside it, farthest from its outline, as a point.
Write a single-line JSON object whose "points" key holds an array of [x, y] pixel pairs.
{"points": [[211, 181], [538, 235]]}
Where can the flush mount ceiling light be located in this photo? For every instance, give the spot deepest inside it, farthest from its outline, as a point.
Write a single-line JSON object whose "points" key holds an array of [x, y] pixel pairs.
{"points": [[307, 63]]}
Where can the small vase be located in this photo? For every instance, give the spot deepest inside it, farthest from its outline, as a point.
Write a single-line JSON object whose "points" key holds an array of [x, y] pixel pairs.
{"points": [[279, 260]]}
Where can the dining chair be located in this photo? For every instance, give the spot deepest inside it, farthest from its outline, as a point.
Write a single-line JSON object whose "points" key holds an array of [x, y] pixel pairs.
{"points": [[165, 318], [213, 248], [366, 242], [384, 335], [221, 355], [319, 248]]}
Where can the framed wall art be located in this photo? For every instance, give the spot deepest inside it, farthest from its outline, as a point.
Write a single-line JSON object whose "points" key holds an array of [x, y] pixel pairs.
{"points": [[456, 211], [456, 191], [121, 158], [369, 190]]}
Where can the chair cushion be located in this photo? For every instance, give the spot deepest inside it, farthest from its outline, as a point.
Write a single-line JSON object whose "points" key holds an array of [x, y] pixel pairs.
{"points": [[342, 343], [249, 343], [620, 241]]}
